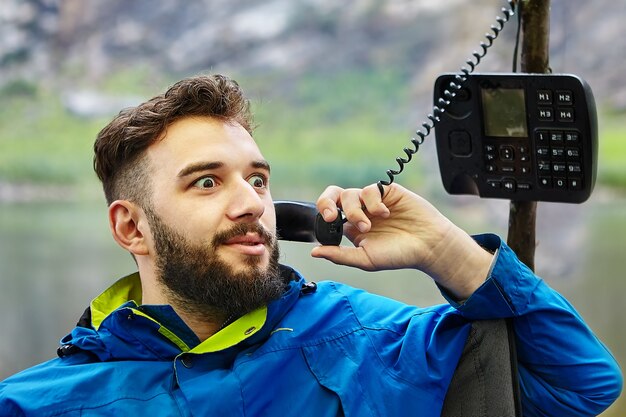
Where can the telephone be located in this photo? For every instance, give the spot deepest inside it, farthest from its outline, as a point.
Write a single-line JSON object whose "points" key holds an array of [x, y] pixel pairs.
{"points": [[529, 137]]}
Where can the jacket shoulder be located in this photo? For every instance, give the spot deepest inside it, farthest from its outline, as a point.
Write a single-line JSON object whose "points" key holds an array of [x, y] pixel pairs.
{"points": [[69, 386], [336, 309], [374, 311], [31, 389]]}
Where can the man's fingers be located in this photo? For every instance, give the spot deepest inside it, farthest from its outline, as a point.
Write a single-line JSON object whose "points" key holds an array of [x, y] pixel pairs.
{"points": [[359, 205], [354, 209], [327, 202], [344, 255], [370, 196]]}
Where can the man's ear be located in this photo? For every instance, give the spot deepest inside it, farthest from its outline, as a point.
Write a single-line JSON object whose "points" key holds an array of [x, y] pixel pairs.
{"points": [[126, 221]]}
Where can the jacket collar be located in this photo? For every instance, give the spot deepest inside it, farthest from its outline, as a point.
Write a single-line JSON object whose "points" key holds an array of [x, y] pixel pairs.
{"points": [[125, 290], [106, 331]]}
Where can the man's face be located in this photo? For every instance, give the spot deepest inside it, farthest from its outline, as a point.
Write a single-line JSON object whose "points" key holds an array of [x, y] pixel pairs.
{"points": [[212, 217]]}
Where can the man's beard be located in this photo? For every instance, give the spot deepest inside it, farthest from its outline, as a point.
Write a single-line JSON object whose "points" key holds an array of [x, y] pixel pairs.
{"points": [[201, 284]]}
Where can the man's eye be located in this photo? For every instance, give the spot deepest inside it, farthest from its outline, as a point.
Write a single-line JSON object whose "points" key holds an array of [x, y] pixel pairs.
{"points": [[258, 181], [205, 182]]}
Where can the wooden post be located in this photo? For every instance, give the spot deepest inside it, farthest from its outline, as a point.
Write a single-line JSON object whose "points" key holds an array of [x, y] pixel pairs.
{"points": [[535, 15]]}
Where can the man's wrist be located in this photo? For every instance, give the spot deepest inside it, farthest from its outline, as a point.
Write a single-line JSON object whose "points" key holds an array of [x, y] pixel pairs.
{"points": [[465, 268]]}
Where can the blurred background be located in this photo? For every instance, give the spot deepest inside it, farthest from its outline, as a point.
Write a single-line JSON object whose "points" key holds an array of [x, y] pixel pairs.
{"points": [[338, 89]]}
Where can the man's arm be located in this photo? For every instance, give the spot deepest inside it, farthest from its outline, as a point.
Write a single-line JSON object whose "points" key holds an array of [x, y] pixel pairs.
{"points": [[564, 369]]}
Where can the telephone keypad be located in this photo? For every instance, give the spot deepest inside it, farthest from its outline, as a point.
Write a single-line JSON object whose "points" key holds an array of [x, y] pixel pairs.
{"points": [[557, 150], [558, 160]]}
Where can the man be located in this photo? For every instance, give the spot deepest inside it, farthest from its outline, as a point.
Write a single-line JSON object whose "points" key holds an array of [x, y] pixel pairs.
{"points": [[212, 325]]}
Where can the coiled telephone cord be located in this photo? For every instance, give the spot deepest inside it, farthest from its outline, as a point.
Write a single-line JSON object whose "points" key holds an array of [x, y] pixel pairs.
{"points": [[443, 102]]}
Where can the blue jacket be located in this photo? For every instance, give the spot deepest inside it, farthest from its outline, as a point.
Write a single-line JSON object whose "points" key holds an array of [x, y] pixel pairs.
{"points": [[325, 350]]}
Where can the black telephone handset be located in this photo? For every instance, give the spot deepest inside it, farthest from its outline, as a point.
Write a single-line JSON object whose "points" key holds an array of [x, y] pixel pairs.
{"points": [[300, 221], [527, 137]]}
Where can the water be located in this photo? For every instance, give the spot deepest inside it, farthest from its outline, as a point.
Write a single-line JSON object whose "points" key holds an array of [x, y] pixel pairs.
{"points": [[56, 256]]}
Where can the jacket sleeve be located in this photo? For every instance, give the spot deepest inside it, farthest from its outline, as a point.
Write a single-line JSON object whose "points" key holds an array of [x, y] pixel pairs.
{"points": [[564, 369]]}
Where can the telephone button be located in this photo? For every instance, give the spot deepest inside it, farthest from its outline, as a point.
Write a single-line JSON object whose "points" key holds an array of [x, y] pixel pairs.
{"points": [[509, 184], [558, 168], [507, 153], [571, 137], [543, 151], [575, 184], [523, 186], [542, 136], [565, 115], [574, 168], [525, 169], [508, 169], [490, 153], [556, 137], [545, 114], [564, 97], [545, 182], [544, 96], [490, 168], [558, 153], [544, 167], [573, 153], [560, 183], [494, 184]]}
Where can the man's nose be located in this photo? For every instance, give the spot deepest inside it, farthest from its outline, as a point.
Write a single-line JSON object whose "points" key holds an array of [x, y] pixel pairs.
{"points": [[246, 204]]}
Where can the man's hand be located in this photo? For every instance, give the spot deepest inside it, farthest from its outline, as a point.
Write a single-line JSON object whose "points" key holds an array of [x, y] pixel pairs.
{"points": [[402, 230]]}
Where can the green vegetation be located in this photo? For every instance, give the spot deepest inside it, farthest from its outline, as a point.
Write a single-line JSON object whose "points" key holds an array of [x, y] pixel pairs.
{"points": [[41, 143], [612, 151], [344, 128]]}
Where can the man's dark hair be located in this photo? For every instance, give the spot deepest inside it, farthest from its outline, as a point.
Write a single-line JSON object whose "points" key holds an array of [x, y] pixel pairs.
{"points": [[119, 148]]}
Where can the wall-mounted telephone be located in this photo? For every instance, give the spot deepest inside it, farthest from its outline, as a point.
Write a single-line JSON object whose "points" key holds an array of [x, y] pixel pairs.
{"points": [[530, 137]]}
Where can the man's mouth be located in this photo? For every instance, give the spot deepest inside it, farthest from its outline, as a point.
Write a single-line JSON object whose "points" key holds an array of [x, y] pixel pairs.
{"points": [[248, 244], [247, 239]]}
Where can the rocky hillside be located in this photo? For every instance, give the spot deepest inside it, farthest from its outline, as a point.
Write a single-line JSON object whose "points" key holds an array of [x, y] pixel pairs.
{"points": [[68, 41]]}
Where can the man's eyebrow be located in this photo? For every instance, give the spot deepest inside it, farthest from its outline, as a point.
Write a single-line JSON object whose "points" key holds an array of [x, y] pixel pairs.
{"points": [[261, 164], [199, 166], [208, 166]]}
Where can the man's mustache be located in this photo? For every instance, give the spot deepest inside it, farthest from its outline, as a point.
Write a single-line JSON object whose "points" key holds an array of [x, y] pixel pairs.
{"points": [[241, 229]]}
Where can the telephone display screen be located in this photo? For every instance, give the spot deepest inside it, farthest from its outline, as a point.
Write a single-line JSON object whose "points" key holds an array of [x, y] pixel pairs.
{"points": [[504, 111]]}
